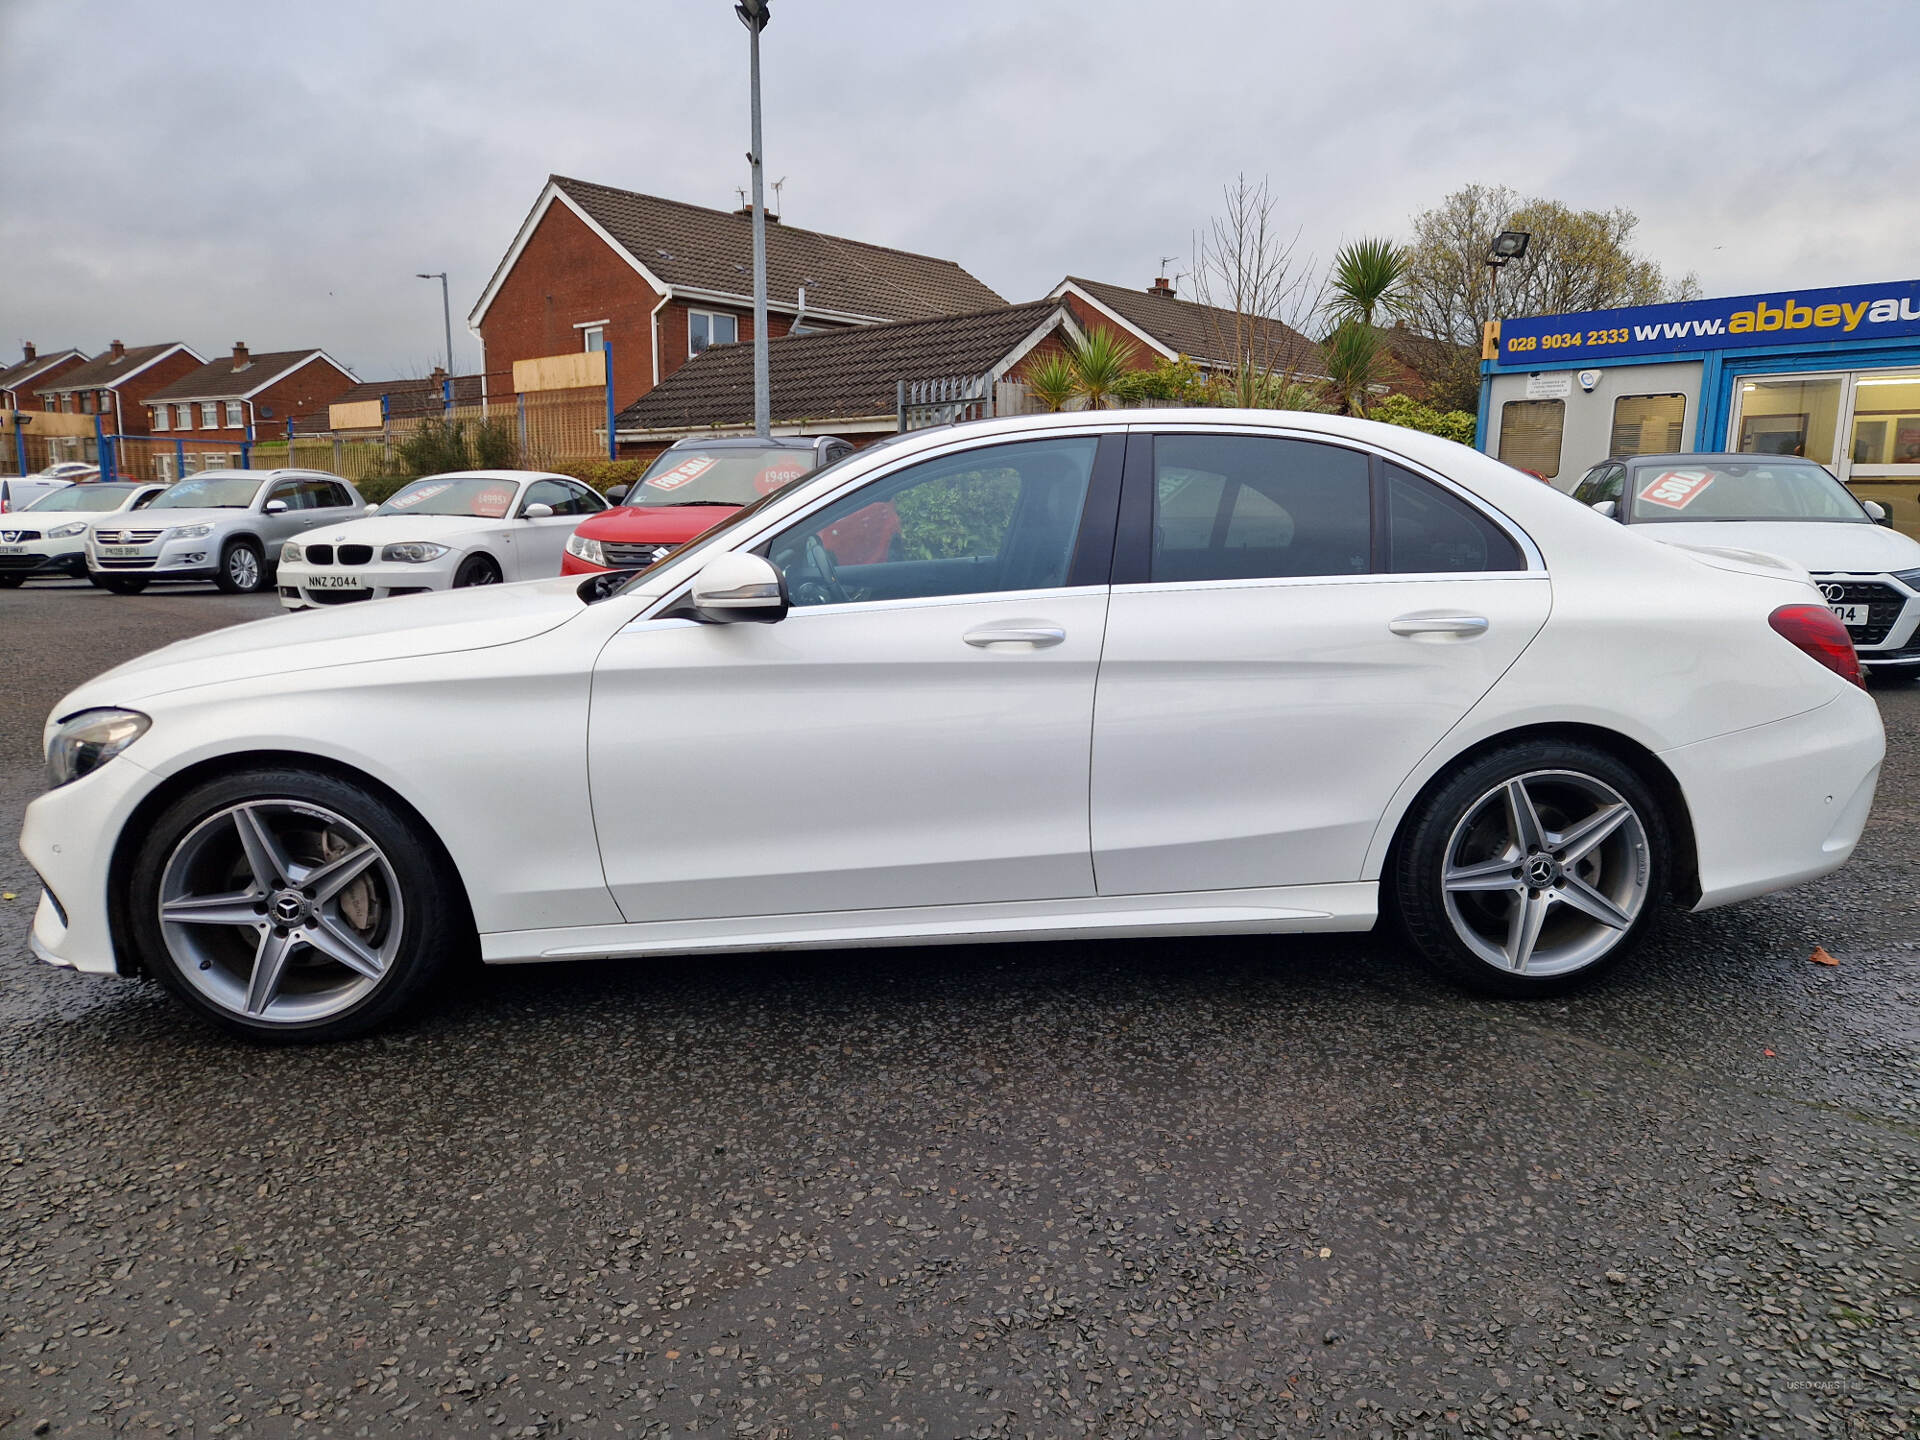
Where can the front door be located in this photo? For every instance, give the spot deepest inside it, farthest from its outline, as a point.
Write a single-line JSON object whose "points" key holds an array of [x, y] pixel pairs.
{"points": [[915, 732], [1294, 625], [535, 543]]}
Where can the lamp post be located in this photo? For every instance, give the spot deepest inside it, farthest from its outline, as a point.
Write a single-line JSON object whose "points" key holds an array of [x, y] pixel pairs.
{"points": [[754, 15], [1507, 245], [446, 312]]}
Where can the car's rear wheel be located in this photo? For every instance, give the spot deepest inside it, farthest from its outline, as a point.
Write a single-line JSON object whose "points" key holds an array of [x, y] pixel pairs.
{"points": [[477, 570], [12, 582], [118, 584], [1534, 869], [243, 569], [288, 905]]}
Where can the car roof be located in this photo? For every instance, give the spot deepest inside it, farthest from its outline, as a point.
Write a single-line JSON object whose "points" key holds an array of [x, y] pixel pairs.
{"points": [[1712, 457], [751, 442], [514, 475]]}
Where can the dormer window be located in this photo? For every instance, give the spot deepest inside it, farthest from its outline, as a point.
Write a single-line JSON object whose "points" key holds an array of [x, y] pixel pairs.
{"points": [[708, 327]]}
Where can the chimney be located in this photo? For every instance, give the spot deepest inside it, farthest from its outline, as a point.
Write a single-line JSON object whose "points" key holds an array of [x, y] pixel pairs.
{"points": [[27, 349], [745, 212], [439, 376], [1161, 286], [240, 358], [119, 351]]}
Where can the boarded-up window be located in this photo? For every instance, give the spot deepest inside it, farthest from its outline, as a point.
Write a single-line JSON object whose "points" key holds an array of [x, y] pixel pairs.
{"points": [[1647, 424], [1530, 435]]}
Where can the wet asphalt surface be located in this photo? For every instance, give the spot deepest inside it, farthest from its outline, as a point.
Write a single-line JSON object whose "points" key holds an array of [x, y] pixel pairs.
{"points": [[1192, 1188]]}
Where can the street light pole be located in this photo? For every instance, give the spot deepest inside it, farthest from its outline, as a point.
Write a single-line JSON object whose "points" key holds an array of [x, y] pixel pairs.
{"points": [[446, 311], [754, 15]]}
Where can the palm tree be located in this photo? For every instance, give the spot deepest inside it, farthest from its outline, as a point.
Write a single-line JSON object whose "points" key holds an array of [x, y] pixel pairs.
{"points": [[1051, 380], [1370, 277], [1352, 357], [1100, 364]]}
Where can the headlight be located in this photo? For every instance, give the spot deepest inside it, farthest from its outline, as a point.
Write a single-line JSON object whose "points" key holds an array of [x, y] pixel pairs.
{"points": [[1905, 577], [590, 551], [413, 552], [190, 532], [67, 532], [292, 550], [86, 741]]}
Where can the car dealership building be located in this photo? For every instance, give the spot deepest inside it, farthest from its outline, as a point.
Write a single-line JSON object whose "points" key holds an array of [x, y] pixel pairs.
{"points": [[1831, 374]]}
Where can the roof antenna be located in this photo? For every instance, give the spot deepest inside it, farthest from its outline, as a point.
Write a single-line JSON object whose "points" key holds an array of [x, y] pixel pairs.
{"points": [[741, 191], [776, 193], [1165, 260]]}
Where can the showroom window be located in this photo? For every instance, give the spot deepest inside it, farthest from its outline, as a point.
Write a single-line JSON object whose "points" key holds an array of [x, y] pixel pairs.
{"points": [[706, 327], [1793, 415], [1530, 435], [1243, 507], [1648, 425], [1886, 420]]}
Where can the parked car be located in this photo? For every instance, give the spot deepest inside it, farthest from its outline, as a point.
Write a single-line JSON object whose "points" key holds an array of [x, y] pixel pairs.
{"points": [[691, 486], [1122, 673], [17, 494], [49, 537], [442, 532], [1786, 506], [226, 526]]}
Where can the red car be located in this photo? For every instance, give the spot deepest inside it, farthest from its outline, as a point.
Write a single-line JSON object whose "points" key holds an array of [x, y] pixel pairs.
{"points": [[690, 488]]}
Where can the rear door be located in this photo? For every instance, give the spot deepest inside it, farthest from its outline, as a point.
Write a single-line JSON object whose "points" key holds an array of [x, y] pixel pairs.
{"points": [[1294, 624]]}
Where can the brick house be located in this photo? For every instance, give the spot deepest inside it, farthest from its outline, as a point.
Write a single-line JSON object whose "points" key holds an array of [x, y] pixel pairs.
{"points": [[116, 385], [1163, 326], [421, 399], [659, 281], [842, 382], [17, 381], [244, 396]]}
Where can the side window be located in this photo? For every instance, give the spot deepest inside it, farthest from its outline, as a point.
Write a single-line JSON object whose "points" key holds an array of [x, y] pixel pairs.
{"points": [[1530, 435], [1003, 517], [1430, 532], [1612, 483], [337, 495], [287, 491], [585, 501], [550, 492], [1588, 490], [317, 495], [1241, 507]]}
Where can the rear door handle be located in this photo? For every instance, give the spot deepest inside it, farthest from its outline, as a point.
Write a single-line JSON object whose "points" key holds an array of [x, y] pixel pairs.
{"points": [[1031, 637], [1439, 625]]}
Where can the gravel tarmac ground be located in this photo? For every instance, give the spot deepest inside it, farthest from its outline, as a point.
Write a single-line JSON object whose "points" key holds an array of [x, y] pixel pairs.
{"points": [[1188, 1188]]}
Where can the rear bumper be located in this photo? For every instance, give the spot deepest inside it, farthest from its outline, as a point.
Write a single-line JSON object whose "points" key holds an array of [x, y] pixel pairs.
{"points": [[1780, 804]]}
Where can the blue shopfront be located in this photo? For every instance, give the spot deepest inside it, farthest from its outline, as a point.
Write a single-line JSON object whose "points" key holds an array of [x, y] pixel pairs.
{"points": [[1833, 374]]}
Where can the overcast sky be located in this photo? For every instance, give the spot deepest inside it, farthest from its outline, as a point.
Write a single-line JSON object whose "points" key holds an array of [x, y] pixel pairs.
{"points": [[212, 172]]}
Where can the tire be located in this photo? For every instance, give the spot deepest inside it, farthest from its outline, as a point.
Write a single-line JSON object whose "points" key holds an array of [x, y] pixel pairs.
{"points": [[391, 914], [477, 570], [12, 582], [118, 584], [243, 569], [1467, 894], [1892, 677]]}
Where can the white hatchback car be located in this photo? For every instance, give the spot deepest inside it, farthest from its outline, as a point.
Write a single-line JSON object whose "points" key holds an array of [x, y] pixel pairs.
{"points": [[442, 532], [49, 537], [1780, 505], [1109, 673]]}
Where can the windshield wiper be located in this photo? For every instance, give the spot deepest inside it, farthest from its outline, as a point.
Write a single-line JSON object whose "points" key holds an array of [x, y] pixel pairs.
{"points": [[677, 504]]}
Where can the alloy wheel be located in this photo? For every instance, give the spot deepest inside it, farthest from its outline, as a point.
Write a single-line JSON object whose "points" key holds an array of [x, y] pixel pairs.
{"points": [[1546, 872], [280, 911], [243, 568]]}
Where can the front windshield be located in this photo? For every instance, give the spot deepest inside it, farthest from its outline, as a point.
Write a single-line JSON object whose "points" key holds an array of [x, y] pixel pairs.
{"points": [[224, 492], [84, 497], [730, 475], [1763, 489], [476, 497]]}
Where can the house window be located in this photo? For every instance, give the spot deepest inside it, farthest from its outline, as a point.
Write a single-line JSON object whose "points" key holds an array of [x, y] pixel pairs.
{"points": [[234, 422], [160, 417], [1530, 435], [209, 415], [86, 402], [183, 417], [707, 327], [594, 337]]}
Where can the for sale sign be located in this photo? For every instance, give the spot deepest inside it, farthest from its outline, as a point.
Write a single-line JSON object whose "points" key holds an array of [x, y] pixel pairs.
{"points": [[1677, 489]]}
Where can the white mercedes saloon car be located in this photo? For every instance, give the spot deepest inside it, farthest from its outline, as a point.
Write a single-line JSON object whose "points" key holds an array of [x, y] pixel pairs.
{"points": [[226, 526], [442, 532], [1118, 673], [1780, 505], [49, 537]]}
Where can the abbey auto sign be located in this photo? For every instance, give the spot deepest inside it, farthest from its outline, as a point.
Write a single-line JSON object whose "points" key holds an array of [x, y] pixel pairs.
{"points": [[1794, 317]]}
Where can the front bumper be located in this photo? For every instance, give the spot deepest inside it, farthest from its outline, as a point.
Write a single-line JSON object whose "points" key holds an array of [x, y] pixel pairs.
{"points": [[68, 838], [45, 557], [165, 559], [375, 581], [1780, 804], [1890, 637]]}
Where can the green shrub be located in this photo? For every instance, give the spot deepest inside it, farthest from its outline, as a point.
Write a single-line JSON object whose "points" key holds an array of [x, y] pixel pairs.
{"points": [[602, 475], [1169, 382], [1406, 411]]}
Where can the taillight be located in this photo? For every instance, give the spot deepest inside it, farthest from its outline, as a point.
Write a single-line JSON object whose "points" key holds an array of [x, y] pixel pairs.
{"points": [[1818, 631]]}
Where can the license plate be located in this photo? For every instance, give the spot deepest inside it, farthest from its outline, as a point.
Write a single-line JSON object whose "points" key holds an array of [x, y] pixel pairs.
{"points": [[119, 551], [1853, 615], [13, 549], [334, 582]]}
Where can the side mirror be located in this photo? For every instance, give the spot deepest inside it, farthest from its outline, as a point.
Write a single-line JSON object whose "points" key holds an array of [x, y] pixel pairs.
{"points": [[536, 511], [276, 507], [369, 508], [1606, 508], [619, 493], [1877, 512], [734, 587]]}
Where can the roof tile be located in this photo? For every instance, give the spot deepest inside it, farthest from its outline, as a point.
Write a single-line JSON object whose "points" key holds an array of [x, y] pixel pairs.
{"points": [[1201, 332], [103, 372]]}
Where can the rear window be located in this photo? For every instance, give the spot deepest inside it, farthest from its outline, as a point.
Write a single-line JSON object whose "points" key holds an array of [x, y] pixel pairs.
{"points": [[729, 476]]}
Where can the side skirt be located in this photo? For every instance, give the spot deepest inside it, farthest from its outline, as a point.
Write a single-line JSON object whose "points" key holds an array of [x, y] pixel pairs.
{"points": [[1274, 910]]}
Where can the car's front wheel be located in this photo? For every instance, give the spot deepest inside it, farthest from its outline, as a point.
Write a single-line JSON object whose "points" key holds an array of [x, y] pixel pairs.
{"points": [[1533, 869], [12, 582], [288, 905], [243, 569], [477, 570]]}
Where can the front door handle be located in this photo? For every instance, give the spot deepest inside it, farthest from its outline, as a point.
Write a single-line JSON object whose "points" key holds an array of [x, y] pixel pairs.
{"points": [[1439, 625], [1037, 636]]}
